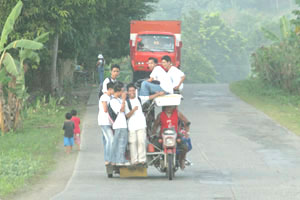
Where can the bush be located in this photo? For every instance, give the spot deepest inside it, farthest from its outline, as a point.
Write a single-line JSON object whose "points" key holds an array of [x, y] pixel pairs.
{"points": [[278, 64]]}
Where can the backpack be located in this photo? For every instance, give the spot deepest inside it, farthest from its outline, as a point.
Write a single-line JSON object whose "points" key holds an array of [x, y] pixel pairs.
{"points": [[129, 103], [101, 87], [111, 114]]}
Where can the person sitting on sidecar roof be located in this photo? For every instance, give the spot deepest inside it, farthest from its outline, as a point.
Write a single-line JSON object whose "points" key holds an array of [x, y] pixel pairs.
{"points": [[176, 75], [169, 118], [158, 74]]}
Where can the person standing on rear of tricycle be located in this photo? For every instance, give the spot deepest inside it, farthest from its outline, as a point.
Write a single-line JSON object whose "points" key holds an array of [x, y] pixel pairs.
{"points": [[119, 126], [137, 124], [104, 123]]}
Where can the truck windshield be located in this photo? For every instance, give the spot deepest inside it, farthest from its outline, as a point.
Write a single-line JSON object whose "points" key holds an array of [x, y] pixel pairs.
{"points": [[156, 43]]}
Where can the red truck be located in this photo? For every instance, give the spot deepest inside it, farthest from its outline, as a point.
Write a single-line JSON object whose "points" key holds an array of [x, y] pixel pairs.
{"points": [[153, 39]]}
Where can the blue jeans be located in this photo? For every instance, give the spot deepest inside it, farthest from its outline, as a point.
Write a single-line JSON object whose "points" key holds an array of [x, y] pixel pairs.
{"points": [[148, 88], [119, 145], [101, 74], [108, 137]]}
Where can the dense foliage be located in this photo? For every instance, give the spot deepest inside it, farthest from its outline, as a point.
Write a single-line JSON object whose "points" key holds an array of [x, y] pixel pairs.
{"points": [[79, 30], [12, 81], [218, 36], [278, 64], [214, 47]]}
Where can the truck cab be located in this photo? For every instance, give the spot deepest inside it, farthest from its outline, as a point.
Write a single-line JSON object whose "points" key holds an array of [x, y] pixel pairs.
{"points": [[153, 39]]}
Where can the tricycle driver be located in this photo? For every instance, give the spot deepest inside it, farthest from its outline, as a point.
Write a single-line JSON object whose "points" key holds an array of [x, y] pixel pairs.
{"points": [[169, 118]]}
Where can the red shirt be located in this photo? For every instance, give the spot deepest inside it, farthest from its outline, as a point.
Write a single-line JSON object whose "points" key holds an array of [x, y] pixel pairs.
{"points": [[169, 122], [76, 121]]}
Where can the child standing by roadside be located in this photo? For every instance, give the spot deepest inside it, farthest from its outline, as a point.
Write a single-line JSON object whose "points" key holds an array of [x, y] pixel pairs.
{"points": [[69, 133], [76, 121]]}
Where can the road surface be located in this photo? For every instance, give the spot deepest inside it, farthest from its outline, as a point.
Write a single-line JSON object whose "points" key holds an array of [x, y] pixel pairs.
{"points": [[238, 154]]}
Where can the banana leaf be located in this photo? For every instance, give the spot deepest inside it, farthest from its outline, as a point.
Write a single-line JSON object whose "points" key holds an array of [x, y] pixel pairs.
{"points": [[26, 44], [269, 35], [10, 64], [42, 38], [4, 78], [284, 27], [9, 24]]}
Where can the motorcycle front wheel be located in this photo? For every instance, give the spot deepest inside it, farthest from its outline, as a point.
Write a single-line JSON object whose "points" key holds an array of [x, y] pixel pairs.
{"points": [[170, 167]]}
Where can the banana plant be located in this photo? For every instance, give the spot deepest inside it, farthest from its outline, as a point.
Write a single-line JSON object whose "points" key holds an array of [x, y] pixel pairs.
{"points": [[285, 30], [12, 81]]}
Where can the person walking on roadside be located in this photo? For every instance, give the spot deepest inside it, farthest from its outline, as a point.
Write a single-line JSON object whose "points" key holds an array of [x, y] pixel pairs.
{"points": [[100, 66], [104, 123], [176, 75], [68, 128], [137, 124], [117, 104], [76, 121]]}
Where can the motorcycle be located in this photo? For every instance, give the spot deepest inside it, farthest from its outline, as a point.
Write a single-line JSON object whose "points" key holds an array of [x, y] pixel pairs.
{"points": [[163, 153]]}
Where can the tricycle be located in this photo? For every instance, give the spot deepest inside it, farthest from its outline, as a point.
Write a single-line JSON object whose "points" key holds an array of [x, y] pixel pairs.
{"points": [[162, 148]]}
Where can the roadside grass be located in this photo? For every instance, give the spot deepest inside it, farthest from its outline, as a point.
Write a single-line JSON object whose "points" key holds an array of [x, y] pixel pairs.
{"points": [[28, 154], [276, 103]]}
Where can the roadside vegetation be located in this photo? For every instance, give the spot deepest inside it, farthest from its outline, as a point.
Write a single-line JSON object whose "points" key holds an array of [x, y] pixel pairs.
{"points": [[30, 152], [278, 104], [274, 85]]}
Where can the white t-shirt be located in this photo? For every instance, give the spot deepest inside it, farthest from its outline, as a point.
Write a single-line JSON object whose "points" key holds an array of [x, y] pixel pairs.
{"points": [[161, 75], [103, 116], [120, 121], [137, 120], [105, 82], [176, 74]]}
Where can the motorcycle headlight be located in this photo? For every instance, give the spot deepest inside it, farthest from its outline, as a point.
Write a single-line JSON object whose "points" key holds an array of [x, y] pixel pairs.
{"points": [[169, 142]]}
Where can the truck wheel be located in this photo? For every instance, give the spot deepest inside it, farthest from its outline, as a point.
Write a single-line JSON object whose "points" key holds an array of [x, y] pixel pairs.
{"points": [[170, 167]]}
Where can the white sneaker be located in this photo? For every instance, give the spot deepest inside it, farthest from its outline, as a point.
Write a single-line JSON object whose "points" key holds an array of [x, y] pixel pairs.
{"points": [[119, 164]]}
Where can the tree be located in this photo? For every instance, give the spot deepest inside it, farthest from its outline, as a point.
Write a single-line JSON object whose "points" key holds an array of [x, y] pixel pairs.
{"points": [[217, 46], [78, 29], [12, 84]]}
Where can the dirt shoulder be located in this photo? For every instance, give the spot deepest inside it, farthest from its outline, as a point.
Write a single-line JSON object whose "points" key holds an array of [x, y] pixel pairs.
{"points": [[54, 182]]}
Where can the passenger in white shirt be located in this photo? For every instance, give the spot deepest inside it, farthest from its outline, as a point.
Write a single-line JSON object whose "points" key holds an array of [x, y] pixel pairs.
{"points": [[114, 73], [105, 124], [117, 103], [137, 124], [157, 74], [176, 75]]}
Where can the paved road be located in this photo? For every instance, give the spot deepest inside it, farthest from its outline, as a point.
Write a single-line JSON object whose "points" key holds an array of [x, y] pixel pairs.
{"points": [[238, 154]]}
